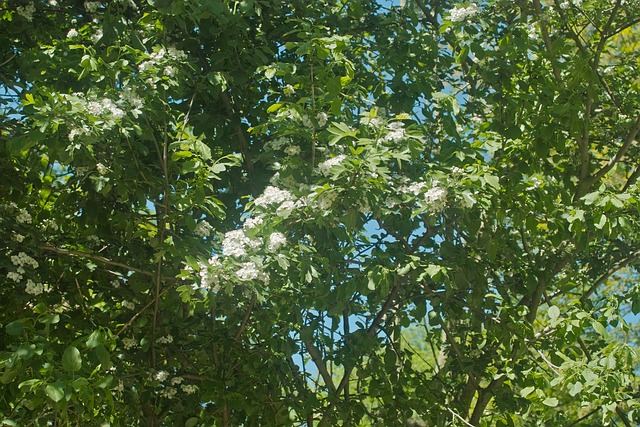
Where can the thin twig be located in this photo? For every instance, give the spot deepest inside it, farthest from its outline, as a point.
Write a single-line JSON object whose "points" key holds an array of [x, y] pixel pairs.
{"points": [[245, 319], [98, 258]]}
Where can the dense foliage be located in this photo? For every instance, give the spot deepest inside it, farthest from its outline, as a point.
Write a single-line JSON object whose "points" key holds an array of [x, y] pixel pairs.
{"points": [[346, 212]]}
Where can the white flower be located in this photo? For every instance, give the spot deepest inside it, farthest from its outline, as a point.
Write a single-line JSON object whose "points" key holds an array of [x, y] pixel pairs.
{"points": [[102, 169], [16, 277], [96, 36], [119, 387], [208, 274], [26, 11], [127, 304], [292, 150], [253, 222], [414, 188], [169, 392], [129, 343], [203, 229], [23, 259], [436, 197], [176, 380], [322, 119], [23, 217], [18, 238], [375, 121], [271, 196], [165, 340], [396, 132], [162, 375], [235, 243], [326, 200], [564, 5], [250, 271], [325, 167], [91, 6], [459, 14], [276, 241], [278, 143], [288, 90], [189, 388], [115, 283], [73, 33], [34, 288], [169, 70]]}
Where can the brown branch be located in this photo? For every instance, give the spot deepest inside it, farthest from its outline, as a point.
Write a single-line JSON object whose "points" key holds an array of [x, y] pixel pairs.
{"points": [[245, 319], [621, 264], [547, 42], [620, 153], [135, 316], [94, 257], [371, 330], [316, 356]]}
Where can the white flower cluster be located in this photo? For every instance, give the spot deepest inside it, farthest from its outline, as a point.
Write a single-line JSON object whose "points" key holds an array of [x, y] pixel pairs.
{"points": [[566, 4], [168, 339], [326, 200], [22, 260], [73, 33], [203, 229], [236, 243], [276, 241], [102, 169], [49, 224], [23, 217], [18, 237], [105, 107], [162, 58], [292, 150], [34, 288], [128, 305], [253, 222], [91, 6], [26, 11], [414, 188], [251, 271], [162, 376], [129, 343], [325, 167], [95, 37], [277, 143], [169, 392], [189, 388], [396, 132], [288, 90], [321, 118], [436, 197], [208, 274], [460, 14], [273, 196]]}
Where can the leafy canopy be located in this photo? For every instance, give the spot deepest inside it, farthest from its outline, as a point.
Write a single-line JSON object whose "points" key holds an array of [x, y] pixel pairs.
{"points": [[319, 213]]}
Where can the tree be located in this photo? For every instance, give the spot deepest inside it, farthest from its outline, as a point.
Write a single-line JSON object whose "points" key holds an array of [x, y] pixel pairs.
{"points": [[337, 213]]}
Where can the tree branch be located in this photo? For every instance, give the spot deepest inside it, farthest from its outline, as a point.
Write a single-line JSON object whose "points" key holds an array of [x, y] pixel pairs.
{"points": [[100, 259]]}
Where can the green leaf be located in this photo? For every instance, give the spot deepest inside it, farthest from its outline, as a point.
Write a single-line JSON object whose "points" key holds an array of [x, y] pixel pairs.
{"points": [[14, 328], [55, 391], [554, 312], [600, 329], [71, 359], [95, 339], [527, 391], [575, 388], [191, 422]]}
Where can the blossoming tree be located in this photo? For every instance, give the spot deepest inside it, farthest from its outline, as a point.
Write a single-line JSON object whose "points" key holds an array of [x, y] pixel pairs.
{"points": [[319, 213]]}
